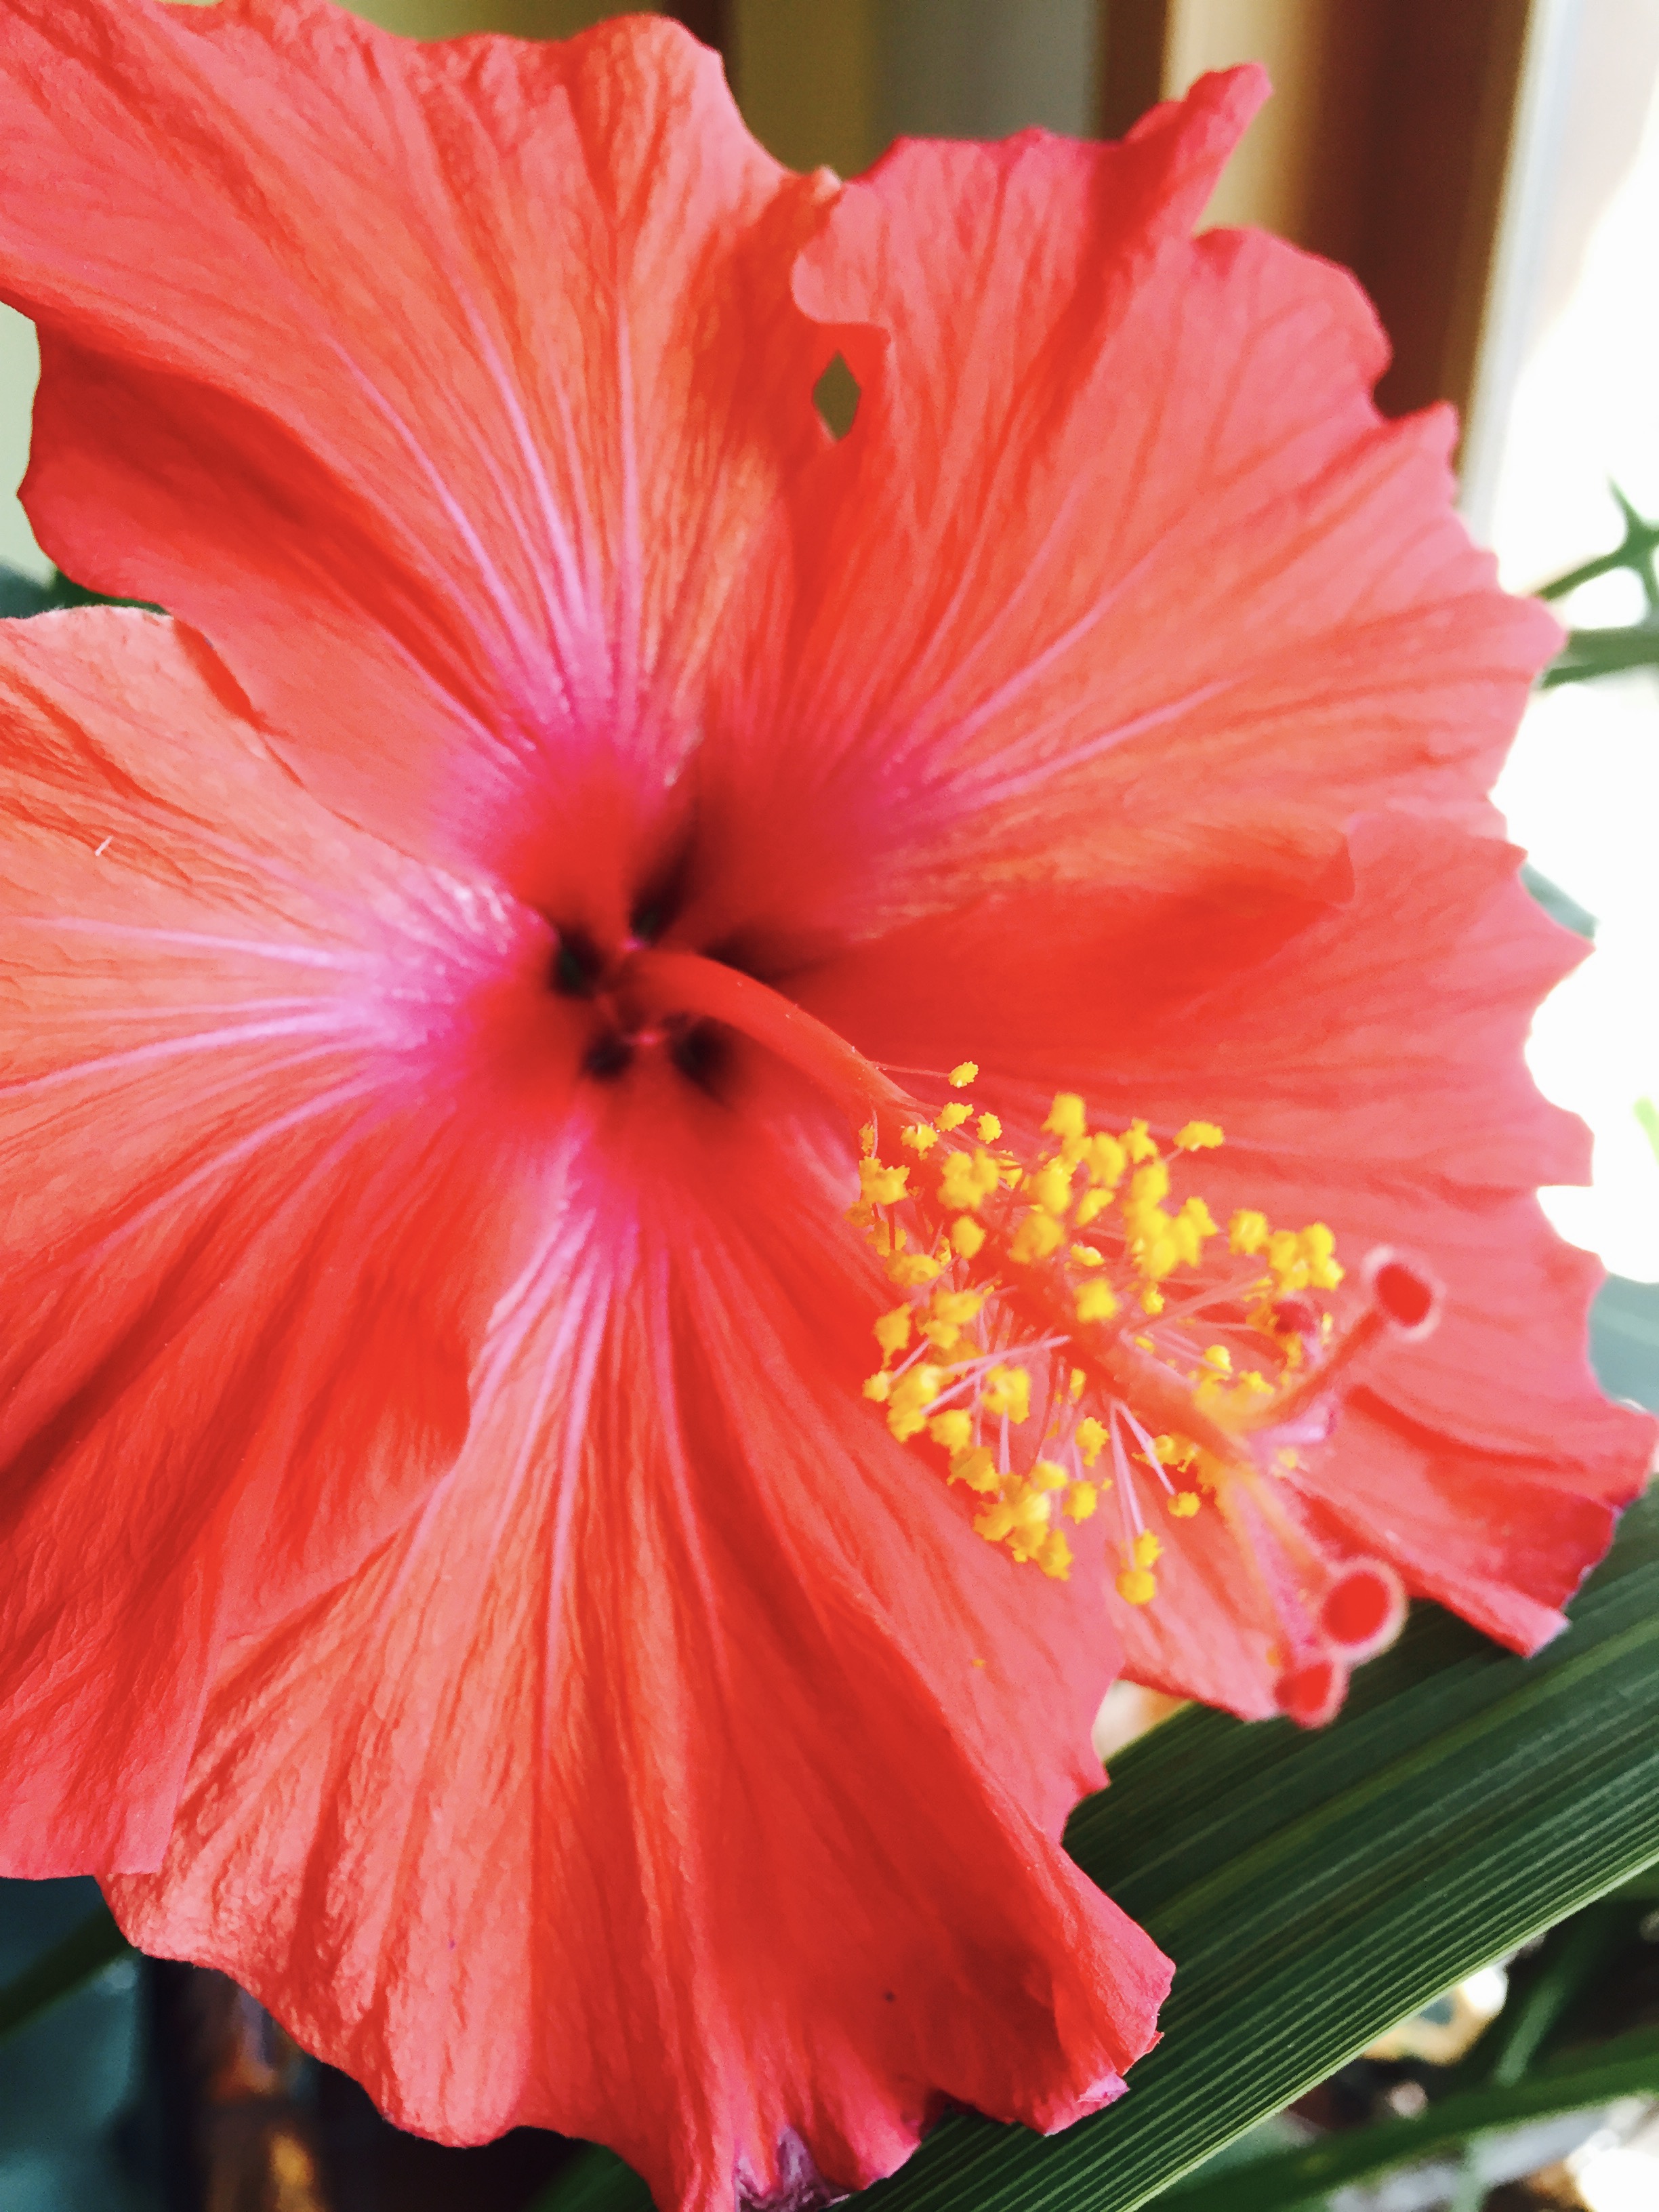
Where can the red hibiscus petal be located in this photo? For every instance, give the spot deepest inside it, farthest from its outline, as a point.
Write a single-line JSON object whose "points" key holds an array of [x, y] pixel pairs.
{"points": [[438, 384], [669, 1780], [245, 1254], [1118, 576]]}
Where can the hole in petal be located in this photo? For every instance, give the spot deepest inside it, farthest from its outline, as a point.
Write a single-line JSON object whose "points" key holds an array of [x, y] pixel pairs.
{"points": [[836, 396]]}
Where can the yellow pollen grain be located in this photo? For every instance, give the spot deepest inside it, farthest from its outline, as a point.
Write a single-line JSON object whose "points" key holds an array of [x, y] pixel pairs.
{"points": [[1198, 1137], [892, 1331], [1136, 1142], [946, 1235], [1051, 1187], [954, 1429], [1066, 1116], [1007, 1394], [1055, 1556], [1038, 1235], [1247, 1230], [963, 1074], [977, 1468], [880, 1185]]}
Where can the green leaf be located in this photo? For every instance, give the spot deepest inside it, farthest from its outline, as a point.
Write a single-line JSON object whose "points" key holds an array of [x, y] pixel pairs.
{"points": [[1288, 2181], [1314, 1888], [58, 1973]]}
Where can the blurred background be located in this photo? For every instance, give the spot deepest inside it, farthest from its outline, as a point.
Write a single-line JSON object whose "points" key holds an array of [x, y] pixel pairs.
{"points": [[1490, 169]]}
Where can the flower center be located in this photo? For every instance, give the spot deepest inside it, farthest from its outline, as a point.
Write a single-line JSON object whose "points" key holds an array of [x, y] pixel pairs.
{"points": [[1075, 1329]]}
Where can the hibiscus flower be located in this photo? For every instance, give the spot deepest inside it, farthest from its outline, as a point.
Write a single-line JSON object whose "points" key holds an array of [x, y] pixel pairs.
{"points": [[466, 1591]]}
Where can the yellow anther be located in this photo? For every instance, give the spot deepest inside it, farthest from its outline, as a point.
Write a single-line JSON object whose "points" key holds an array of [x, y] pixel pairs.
{"points": [[1055, 1557], [1045, 1475], [1066, 1116], [1247, 1230], [995, 1523], [1151, 1299], [1198, 1137], [989, 1128], [878, 1386], [1091, 1203], [910, 1270], [1038, 1235], [1138, 1143], [977, 1468], [953, 1115], [1147, 1549], [953, 1430], [1318, 1252], [963, 1074], [1253, 1384], [1051, 1187], [1145, 1343], [1008, 1391], [1198, 1213], [1090, 1435], [892, 1331], [966, 1237], [1087, 1255], [880, 1185], [1075, 1384], [1136, 1587], [1150, 1185], [1107, 1160], [1184, 1504], [911, 1394], [1081, 1501], [965, 1182], [920, 1137], [1218, 1357], [948, 1313], [1095, 1301]]}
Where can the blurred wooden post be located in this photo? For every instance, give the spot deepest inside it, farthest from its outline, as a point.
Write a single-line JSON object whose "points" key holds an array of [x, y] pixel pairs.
{"points": [[1384, 148]]}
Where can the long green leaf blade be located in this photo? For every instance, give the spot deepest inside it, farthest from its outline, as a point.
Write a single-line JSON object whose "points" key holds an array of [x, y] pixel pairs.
{"points": [[1314, 1888], [1294, 2180]]}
